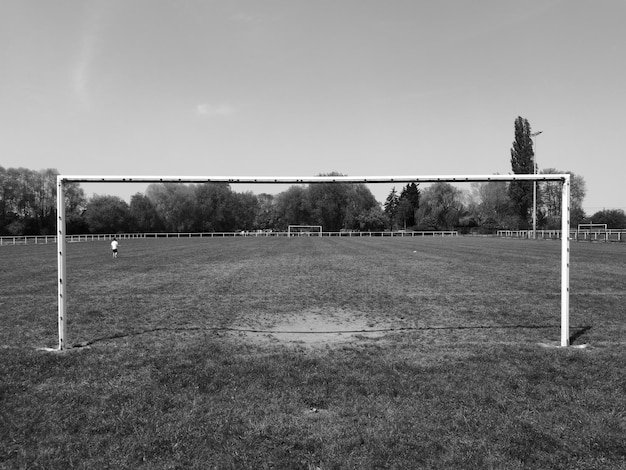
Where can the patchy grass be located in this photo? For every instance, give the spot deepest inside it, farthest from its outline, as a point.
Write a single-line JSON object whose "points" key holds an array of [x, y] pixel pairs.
{"points": [[172, 379]]}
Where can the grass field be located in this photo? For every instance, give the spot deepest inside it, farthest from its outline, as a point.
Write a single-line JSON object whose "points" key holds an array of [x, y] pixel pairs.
{"points": [[313, 353]]}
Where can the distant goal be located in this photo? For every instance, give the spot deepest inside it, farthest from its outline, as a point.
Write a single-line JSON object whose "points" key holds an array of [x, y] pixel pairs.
{"points": [[592, 232], [304, 230], [592, 227]]}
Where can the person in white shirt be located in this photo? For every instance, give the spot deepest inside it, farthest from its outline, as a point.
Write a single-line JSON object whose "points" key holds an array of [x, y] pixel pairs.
{"points": [[114, 245]]}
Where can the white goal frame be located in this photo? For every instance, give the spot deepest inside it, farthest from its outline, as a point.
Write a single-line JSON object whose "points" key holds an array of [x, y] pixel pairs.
{"points": [[590, 227], [297, 233], [61, 219]]}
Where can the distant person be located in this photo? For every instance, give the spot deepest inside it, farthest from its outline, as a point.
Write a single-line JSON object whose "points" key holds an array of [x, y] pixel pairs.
{"points": [[114, 245]]}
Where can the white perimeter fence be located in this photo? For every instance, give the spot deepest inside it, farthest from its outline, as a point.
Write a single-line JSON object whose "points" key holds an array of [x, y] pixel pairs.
{"points": [[610, 235], [45, 239]]}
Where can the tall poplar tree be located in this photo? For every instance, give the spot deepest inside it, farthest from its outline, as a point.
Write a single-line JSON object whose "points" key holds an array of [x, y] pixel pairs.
{"points": [[522, 161]]}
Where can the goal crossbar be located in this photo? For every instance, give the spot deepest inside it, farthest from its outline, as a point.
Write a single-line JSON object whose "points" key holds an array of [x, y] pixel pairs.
{"points": [[61, 219], [311, 179]]}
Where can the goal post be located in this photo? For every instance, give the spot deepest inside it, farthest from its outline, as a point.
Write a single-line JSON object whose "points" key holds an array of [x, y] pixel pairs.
{"points": [[61, 262], [565, 247], [61, 217], [304, 230]]}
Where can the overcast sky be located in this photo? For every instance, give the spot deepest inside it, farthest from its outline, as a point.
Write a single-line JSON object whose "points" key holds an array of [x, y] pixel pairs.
{"points": [[302, 87]]}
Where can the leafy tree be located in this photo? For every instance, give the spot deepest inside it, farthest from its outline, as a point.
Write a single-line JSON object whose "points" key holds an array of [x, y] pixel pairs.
{"points": [[551, 199], [522, 162], [107, 214], [293, 208], [28, 201], [20, 186], [215, 208], [265, 217], [441, 207], [408, 205], [328, 203], [143, 214], [613, 218], [360, 205], [391, 207], [334, 206], [3, 195], [175, 204], [44, 201], [372, 220], [577, 216], [75, 207], [246, 207], [490, 206], [17, 200], [23, 191], [337, 206]]}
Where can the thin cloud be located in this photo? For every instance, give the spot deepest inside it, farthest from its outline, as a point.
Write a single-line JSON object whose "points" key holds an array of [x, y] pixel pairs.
{"points": [[81, 71], [209, 110]]}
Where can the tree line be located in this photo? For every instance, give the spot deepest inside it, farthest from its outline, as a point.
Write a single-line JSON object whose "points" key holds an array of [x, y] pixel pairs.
{"points": [[28, 207], [28, 204], [492, 206], [215, 207]]}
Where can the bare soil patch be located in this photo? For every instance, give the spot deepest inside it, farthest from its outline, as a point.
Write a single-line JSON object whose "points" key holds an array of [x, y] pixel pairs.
{"points": [[315, 327]]}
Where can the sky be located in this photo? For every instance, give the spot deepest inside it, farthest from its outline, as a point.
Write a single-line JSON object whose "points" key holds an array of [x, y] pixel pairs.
{"points": [[303, 87]]}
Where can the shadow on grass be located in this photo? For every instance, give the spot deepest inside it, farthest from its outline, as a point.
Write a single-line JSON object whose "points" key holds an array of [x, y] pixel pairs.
{"points": [[580, 331]]}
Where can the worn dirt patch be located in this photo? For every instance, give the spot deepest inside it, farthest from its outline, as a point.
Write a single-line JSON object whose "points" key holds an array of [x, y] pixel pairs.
{"points": [[316, 327]]}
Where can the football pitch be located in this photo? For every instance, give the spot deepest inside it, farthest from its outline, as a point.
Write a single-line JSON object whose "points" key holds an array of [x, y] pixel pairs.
{"points": [[312, 352]]}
